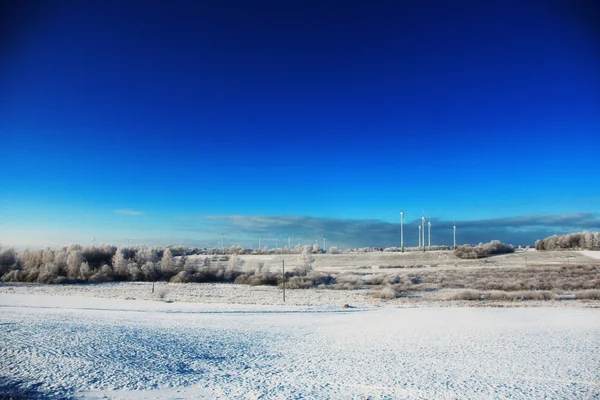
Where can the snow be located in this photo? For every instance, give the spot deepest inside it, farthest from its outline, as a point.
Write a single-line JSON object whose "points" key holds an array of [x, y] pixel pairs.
{"points": [[63, 346], [413, 261], [591, 254]]}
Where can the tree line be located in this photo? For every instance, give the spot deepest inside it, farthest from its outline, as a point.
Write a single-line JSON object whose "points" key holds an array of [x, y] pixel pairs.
{"points": [[578, 240], [78, 264]]}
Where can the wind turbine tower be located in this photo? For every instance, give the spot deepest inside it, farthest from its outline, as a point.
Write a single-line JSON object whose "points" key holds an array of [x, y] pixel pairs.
{"points": [[454, 229], [419, 236], [323, 244], [429, 234], [402, 230], [423, 231]]}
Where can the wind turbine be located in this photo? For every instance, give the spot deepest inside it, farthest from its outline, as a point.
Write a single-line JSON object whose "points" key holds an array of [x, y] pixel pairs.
{"points": [[402, 230], [419, 236], [454, 229], [423, 231], [323, 244], [429, 234]]}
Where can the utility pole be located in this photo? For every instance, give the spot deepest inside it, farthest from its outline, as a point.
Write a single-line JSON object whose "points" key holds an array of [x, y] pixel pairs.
{"points": [[402, 230], [283, 273]]}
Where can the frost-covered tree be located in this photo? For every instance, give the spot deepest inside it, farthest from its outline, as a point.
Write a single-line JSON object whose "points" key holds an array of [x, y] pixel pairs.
{"points": [[150, 271], [120, 266], [483, 249], [47, 256], [168, 265], [145, 255], [85, 271], [578, 240], [103, 274], [74, 260], [135, 272], [235, 263], [306, 259], [8, 259]]}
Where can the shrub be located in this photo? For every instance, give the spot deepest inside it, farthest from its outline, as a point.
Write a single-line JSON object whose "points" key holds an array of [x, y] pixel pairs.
{"points": [[588, 294], [310, 281], [13, 276], [535, 295], [497, 295], [162, 293], [182, 277], [254, 279], [466, 295], [387, 292], [483, 250]]}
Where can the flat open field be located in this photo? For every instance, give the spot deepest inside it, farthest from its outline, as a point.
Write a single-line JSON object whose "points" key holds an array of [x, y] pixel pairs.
{"points": [[354, 262], [77, 347], [223, 340]]}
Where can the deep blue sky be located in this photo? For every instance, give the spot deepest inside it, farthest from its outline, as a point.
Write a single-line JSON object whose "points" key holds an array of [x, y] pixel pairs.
{"points": [[343, 111]]}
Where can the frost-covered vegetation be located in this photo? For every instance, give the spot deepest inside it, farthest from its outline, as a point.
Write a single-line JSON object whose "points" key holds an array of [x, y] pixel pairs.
{"points": [[579, 240], [483, 249], [74, 264], [386, 276]]}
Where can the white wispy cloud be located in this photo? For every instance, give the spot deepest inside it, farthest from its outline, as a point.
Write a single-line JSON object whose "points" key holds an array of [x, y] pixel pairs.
{"points": [[129, 212]]}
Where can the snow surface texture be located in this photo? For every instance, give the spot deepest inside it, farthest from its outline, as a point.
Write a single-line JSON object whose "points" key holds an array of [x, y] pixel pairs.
{"points": [[108, 348], [591, 254]]}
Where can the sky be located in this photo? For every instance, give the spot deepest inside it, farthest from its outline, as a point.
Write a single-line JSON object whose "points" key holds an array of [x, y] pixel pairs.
{"points": [[176, 122]]}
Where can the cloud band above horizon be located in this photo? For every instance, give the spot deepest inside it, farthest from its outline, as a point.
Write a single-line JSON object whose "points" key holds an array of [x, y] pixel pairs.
{"points": [[521, 230]]}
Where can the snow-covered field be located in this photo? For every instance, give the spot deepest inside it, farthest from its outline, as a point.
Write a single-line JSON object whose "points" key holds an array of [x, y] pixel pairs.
{"points": [[591, 254], [70, 346], [361, 262]]}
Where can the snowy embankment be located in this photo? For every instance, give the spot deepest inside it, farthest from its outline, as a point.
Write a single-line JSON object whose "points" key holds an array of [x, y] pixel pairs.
{"points": [[70, 346]]}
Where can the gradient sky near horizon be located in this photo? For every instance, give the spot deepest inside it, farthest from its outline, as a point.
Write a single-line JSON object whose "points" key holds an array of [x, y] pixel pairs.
{"points": [[179, 121]]}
